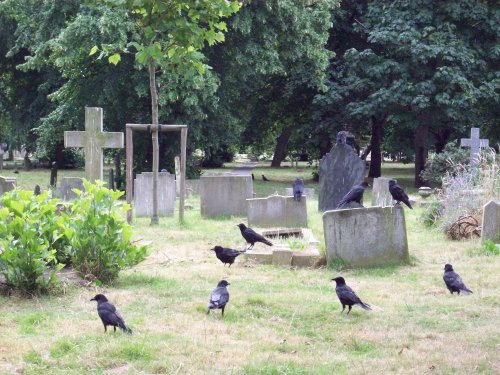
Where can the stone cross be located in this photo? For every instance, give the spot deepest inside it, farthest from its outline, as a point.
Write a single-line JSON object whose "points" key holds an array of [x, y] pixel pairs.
{"points": [[93, 140], [475, 144]]}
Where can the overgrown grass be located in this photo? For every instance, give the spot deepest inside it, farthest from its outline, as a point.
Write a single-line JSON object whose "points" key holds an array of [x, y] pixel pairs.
{"points": [[278, 321]]}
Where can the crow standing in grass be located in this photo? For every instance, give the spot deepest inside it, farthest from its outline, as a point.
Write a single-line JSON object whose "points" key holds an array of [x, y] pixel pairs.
{"points": [[347, 296], [453, 282], [251, 236], [398, 194], [109, 314], [219, 297], [298, 189], [264, 178], [226, 255], [354, 195]]}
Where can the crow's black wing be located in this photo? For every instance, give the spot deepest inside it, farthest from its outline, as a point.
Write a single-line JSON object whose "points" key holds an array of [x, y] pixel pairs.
{"points": [[354, 195], [218, 298]]}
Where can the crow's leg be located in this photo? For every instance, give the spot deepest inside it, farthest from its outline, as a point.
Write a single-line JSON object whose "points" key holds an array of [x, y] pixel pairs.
{"points": [[105, 328], [343, 308], [208, 311], [348, 311], [223, 307], [114, 328]]}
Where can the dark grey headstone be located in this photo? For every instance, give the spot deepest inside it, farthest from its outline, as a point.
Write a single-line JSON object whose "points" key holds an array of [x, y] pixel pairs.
{"points": [[339, 171]]}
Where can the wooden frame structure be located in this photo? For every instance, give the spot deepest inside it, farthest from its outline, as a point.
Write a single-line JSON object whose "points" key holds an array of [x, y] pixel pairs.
{"points": [[129, 128]]}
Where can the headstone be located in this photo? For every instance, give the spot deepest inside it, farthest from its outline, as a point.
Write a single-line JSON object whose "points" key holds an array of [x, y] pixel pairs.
{"points": [[53, 175], [366, 237], [177, 162], [475, 144], [143, 194], [277, 211], [339, 171], [67, 185], [93, 140], [7, 184], [381, 195], [308, 192], [225, 194], [491, 221]]}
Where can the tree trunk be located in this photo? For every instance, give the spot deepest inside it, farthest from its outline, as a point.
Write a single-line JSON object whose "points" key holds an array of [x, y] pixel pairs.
{"points": [[280, 149], [376, 153], [441, 138], [420, 152], [59, 154], [154, 136]]}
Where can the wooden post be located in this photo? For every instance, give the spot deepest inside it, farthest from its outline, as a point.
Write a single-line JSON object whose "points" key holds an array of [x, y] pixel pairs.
{"points": [[129, 149], [182, 188]]}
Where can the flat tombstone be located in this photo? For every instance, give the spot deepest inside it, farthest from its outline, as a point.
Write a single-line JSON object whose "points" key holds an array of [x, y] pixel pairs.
{"points": [[381, 195], [225, 194], [366, 237], [339, 171], [491, 221], [7, 184], [277, 211], [143, 194], [308, 192], [67, 185]]}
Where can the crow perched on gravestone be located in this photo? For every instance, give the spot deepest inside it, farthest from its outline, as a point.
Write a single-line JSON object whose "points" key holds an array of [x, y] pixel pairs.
{"points": [[251, 236], [347, 296], [398, 194], [264, 178], [226, 255], [109, 314], [37, 190], [453, 282], [219, 297], [354, 195], [298, 189]]}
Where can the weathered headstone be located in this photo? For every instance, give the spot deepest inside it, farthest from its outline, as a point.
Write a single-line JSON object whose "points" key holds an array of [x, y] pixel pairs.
{"points": [[339, 171], [93, 140], [308, 192], [475, 144], [381, 195], [67, 185], [143, 194], [491, 221], [225, 194], [7, 184], [365, 237], [53, 175], [277, 211]]}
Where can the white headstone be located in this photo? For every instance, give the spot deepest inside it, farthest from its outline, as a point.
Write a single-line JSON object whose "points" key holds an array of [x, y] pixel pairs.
{"points": [[491, 221], [225, 194], [475, 144]]}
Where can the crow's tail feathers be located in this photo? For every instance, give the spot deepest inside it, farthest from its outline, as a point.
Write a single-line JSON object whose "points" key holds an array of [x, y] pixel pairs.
{"points": [[267, 242], [341, 203], [465, 291], [364, 305], [407, 202]]}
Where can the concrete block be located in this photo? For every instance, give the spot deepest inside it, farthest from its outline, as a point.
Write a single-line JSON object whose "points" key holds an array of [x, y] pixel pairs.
{"points": [[282, 257], [277, 211]]}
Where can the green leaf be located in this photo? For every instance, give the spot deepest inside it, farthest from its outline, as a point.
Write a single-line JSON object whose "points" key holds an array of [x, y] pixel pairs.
{"points": [[114, 58], [93, 50]]}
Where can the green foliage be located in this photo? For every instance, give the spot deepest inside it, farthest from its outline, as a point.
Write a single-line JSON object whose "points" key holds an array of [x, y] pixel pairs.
{"points": [[31, 239], [99, 236], [438, 165], [491, 248], [431, 214]]}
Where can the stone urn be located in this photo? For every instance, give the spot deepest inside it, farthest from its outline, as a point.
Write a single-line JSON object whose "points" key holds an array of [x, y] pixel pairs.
{"points": [[424, 191]]}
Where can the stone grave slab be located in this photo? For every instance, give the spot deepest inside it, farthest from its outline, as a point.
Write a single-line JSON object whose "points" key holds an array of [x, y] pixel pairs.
{"points": [[366, 237], [67, 185], [143, 194], [7, 184], [381, 195], [308, 192], [277, 211], [224, 195], [491, 221]]}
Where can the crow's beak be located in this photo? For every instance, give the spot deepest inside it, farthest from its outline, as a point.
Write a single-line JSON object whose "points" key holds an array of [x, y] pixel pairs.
{"points": [[93, 299], [213, 249], [228, 283]]}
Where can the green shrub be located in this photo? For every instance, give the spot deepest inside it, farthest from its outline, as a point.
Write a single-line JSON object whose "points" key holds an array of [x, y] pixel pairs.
{"points": [[431, 214], [30, 233], [438, 165], [99, 235]]}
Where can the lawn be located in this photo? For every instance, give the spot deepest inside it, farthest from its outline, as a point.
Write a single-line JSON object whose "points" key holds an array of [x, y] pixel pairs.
{"points": [[278, 320]]}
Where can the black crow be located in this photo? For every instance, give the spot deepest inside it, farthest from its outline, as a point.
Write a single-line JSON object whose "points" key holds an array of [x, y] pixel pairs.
{"points": [[109, 314], [398, 194], [226, 255], [37, 190], [253, 177], [453, 282], [354, 195], [251, 236], [347, 296], [298, 189], [219, 297], [265, 178]]}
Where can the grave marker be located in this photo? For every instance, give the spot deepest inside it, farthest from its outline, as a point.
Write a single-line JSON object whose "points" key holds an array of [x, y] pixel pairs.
{"points": [[475, 144]]}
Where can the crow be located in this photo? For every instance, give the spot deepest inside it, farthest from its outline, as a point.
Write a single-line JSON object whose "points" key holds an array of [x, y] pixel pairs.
{"points": [[109, 314], [347, 296], [398, 194], [37, 190], [453, 282], [219, 297], [251, 236], [354, 195], [264, 178], [226, 255], [298, 189], [253, 177]]}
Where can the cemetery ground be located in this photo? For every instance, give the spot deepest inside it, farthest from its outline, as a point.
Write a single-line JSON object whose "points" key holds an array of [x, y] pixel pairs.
{"points": [[278, 320]]}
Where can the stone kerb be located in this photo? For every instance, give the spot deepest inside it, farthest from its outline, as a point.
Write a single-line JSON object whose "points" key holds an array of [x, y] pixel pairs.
{"points": [[7, 184], [223, 195], [277, 211], [143, 194], [365, 237], [380, 192], [308, 192], [491, 221]]}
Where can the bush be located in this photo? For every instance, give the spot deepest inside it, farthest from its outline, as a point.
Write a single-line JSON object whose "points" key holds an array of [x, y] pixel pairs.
{"points": [[438, 165], [30, 237], [431, 214], [99, 235]]}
